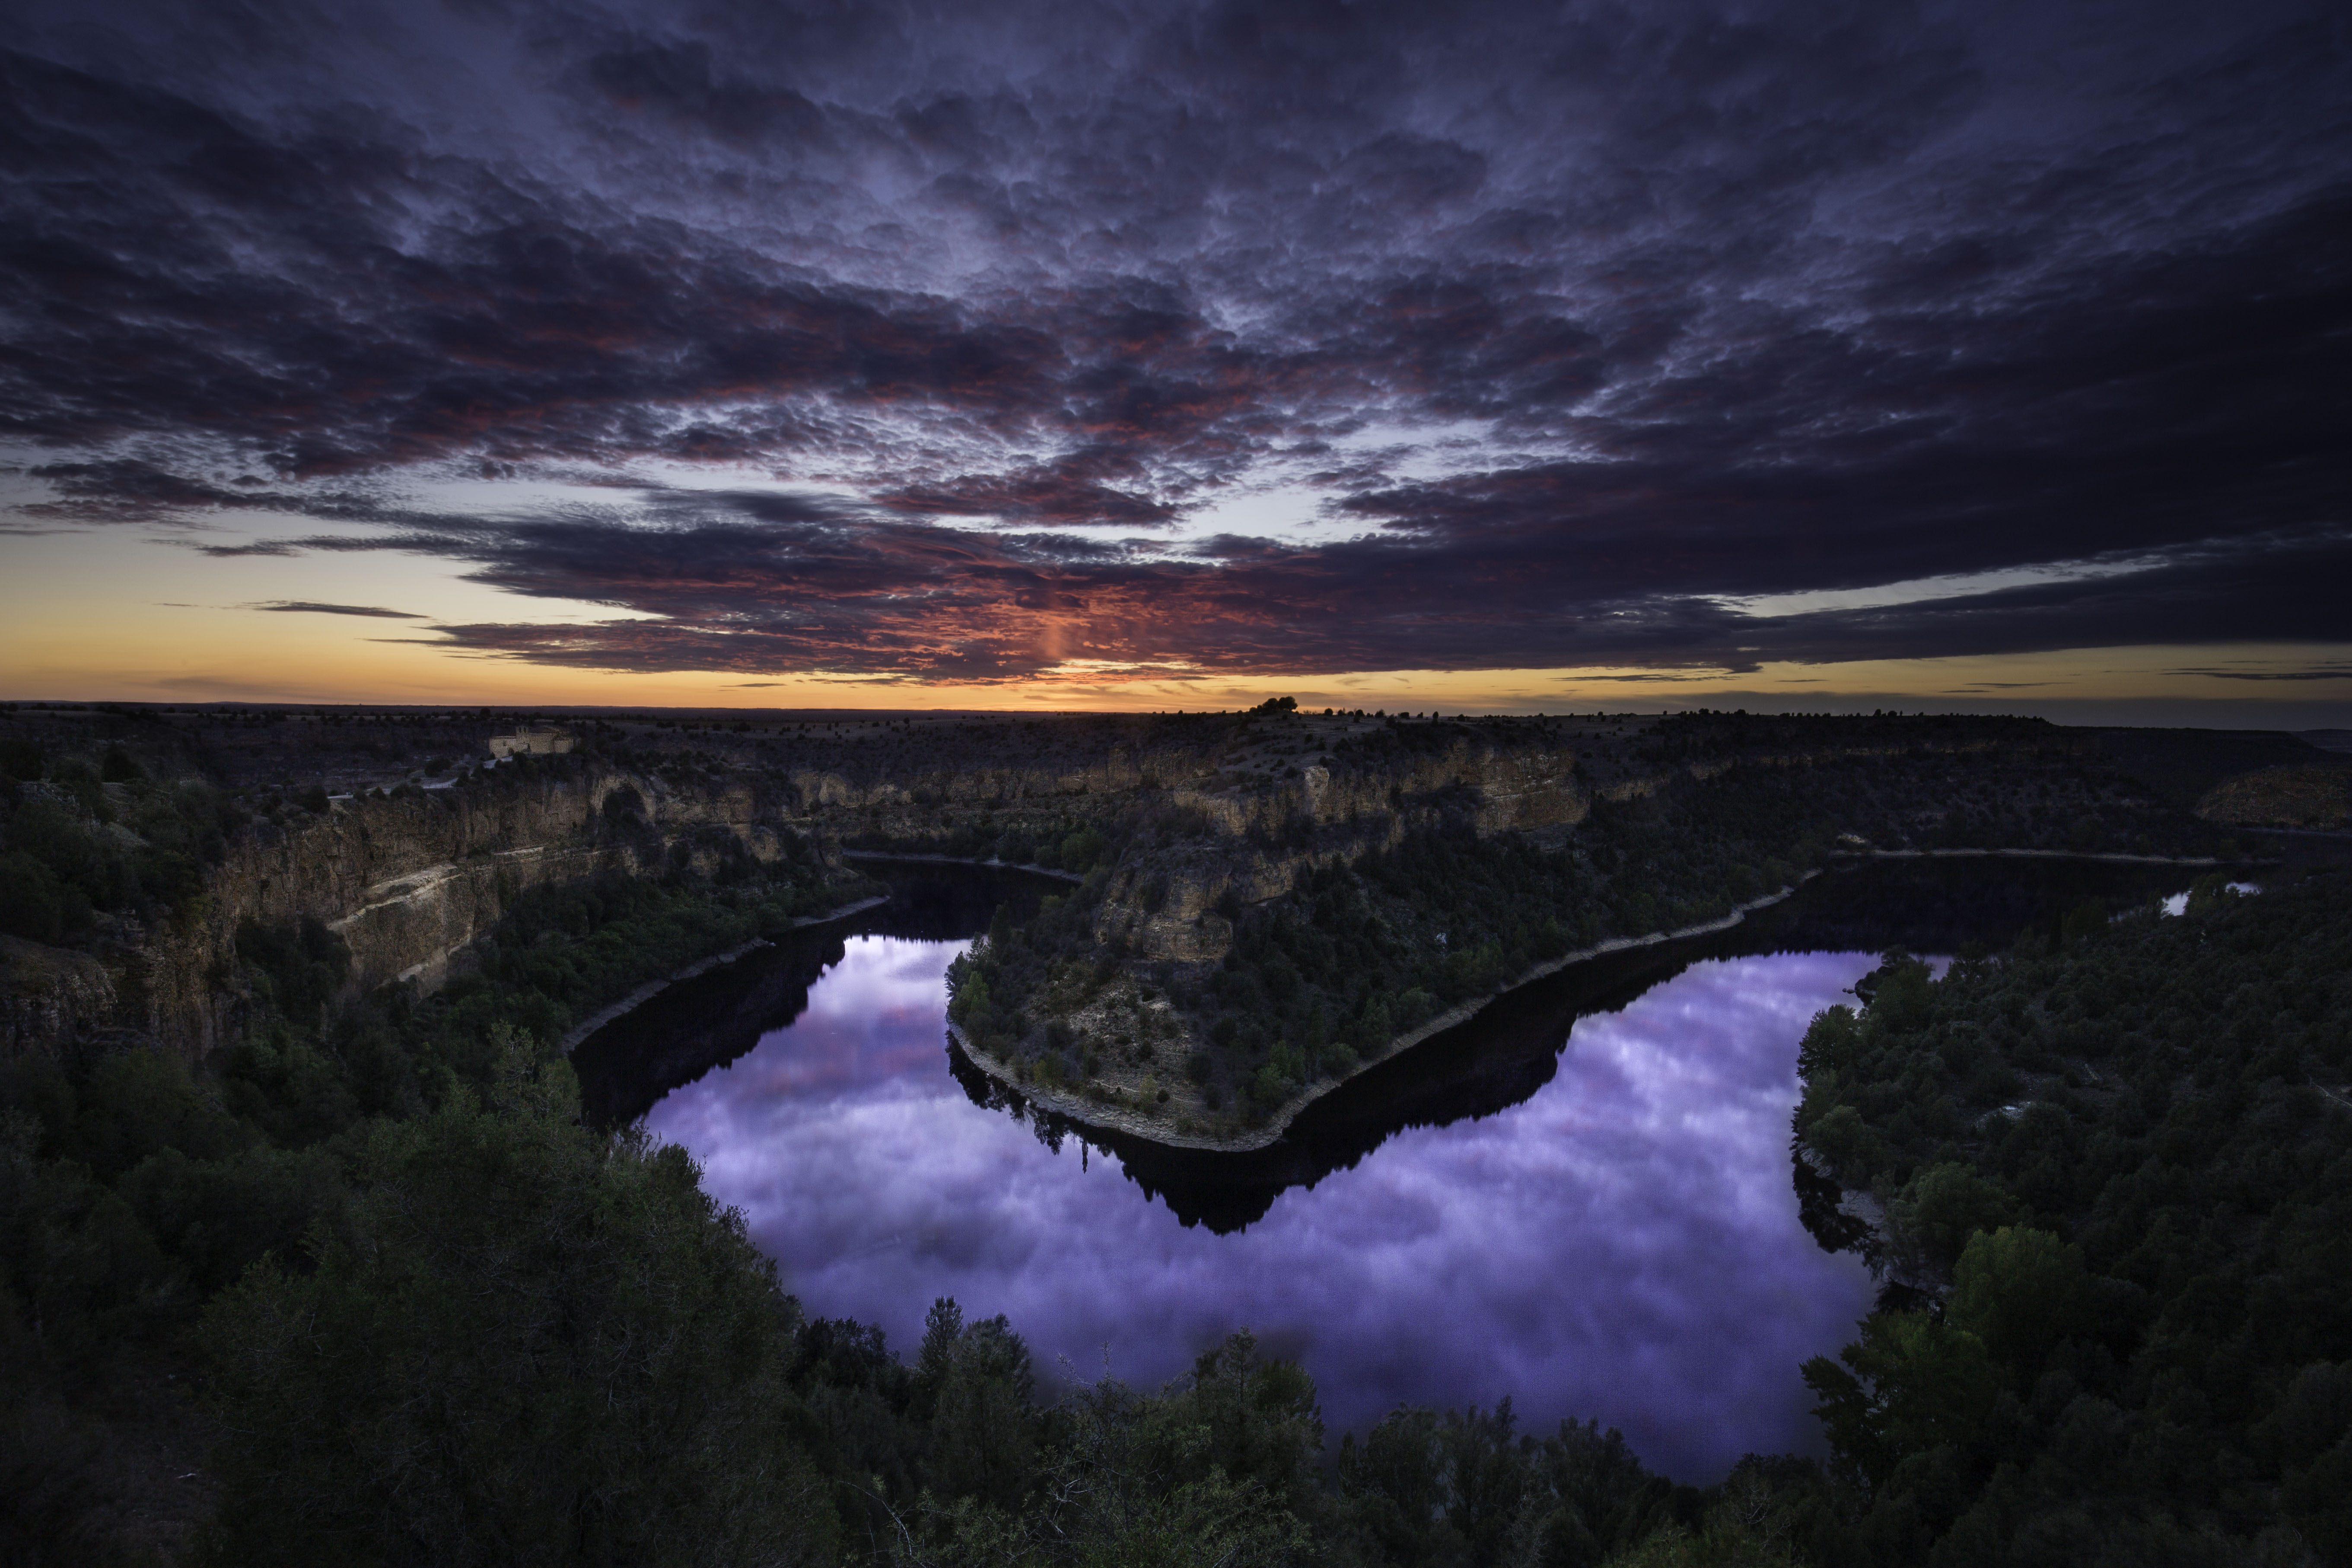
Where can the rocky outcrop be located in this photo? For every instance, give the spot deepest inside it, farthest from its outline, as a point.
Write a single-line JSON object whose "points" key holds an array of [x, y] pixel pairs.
{"points": [[1121, 770], [48, 995], [2312, 796], [408, 880], [1168, 909]]}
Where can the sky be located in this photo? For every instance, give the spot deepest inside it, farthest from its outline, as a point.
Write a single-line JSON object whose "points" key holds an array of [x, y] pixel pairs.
{"points": [[1993, 356]]}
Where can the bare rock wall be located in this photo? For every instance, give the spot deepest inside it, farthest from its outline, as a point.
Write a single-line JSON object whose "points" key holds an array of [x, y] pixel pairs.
{"points": [[407, 881]]}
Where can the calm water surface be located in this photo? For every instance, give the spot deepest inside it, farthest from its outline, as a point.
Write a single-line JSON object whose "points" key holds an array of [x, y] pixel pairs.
{"points": [[1623, 1244]]}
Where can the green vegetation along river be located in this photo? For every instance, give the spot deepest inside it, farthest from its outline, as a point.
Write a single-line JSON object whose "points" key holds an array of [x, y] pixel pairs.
{"points": [[1590, 1183]]}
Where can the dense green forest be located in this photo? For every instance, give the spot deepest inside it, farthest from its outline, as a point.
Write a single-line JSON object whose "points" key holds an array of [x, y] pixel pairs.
{"points": [[133, 1190], [483, 1334], [62, 866], [454, 1324], [363, 1288], [2122, 1154], [433, 1318]]}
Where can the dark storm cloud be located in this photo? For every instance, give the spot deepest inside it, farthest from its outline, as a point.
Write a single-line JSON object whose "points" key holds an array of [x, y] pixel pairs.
{"points": [[1033, 498], [303, 607], [736, 583], [2338, 670], [1715, 303], [258, 547], [123, 489]]}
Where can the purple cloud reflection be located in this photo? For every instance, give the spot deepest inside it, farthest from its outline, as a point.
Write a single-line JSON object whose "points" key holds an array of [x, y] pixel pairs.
{"points": [[1624, 1245]]}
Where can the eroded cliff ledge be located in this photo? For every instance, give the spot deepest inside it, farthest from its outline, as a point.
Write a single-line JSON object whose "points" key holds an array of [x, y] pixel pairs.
{"points": [[1260, 895]]}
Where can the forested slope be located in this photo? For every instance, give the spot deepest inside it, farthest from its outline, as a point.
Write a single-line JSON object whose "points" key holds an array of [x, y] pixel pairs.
{"points": [[403, 1306], [2127, 1147], [1678, 821]]}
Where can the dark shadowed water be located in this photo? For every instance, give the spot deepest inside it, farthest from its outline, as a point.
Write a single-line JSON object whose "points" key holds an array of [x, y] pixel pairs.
{"points": [[1582, 1200]]}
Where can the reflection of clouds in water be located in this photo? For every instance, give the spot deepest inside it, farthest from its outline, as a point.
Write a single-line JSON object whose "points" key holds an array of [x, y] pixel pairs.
{"points": [[1624, 1245], [872, 1022], [2178, 903]]}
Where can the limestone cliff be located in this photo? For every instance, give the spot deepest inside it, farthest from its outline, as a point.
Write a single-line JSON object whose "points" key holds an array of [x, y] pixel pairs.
{"points": [[1189, 822], [407, 880]]}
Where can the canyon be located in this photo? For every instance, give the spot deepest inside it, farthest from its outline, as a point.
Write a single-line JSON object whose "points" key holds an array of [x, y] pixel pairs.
{"points": [[1186, 843]]}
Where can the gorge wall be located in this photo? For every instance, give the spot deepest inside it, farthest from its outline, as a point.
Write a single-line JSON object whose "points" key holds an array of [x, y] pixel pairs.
{"points": [[406, 879], [1190, 820], [409, 876]]}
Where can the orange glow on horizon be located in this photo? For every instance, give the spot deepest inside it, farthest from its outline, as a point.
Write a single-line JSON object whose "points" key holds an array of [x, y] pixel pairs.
{"points": [[88, 619]]}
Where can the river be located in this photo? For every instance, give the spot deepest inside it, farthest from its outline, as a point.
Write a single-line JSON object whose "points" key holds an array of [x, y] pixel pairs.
{"points": [[1582, 1200]]}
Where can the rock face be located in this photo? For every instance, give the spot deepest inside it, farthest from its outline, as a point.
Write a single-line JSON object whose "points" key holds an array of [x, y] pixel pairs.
{"points": [[1327, 815], [2315, 796], [48, 994], [407, 881], [410, 880], [541, 742], [1249, 833]]}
